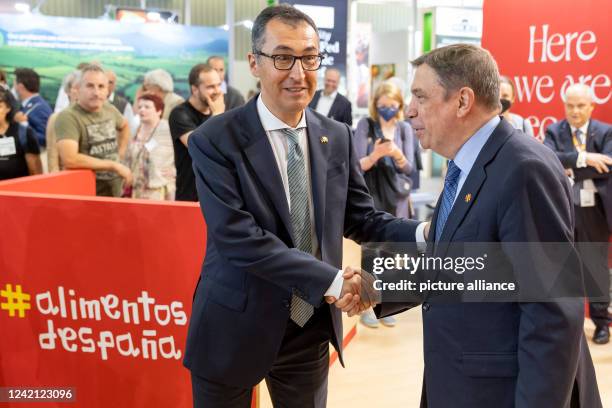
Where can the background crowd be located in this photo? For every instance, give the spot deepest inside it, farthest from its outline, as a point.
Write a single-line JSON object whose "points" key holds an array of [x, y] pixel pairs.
{"points": [[138, 148]]}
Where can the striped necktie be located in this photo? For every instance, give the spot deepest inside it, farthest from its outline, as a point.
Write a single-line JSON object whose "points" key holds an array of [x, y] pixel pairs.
{"points": [[448, 197], [301, 311], [578, 143]]}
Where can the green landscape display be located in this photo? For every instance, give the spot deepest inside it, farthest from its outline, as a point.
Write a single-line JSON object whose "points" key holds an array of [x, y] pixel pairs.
{"points": [[54, 46]]}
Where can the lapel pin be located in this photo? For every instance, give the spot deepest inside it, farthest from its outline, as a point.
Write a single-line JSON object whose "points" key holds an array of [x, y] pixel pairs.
{"points": [[324, 139], [468, 197]]}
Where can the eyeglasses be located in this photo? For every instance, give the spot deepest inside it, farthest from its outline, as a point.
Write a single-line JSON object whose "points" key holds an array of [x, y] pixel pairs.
{"points": [[285, 62]]}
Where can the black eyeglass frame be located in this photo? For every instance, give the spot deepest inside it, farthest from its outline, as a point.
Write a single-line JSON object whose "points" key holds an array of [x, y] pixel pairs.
{"points": [[320, 56]]}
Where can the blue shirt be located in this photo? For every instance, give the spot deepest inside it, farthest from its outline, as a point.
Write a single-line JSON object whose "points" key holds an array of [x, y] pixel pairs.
{"points": [[468, 153]]}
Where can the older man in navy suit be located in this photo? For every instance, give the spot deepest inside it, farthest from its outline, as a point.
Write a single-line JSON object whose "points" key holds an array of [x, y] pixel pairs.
{"points": [[584, 147], [279, 186], [501, 188]]}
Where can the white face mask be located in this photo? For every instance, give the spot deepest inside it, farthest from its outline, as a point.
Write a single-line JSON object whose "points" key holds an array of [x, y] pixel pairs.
{"points": [[14, 92]]}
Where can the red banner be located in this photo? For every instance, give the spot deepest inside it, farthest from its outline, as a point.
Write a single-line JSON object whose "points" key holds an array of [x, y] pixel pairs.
{"points": [[546, 45], [95, 295]]}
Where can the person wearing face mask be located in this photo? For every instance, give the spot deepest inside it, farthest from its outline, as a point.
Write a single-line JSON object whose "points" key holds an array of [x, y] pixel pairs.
{"points": [[150, 154], [384, 143], [507, 93]]}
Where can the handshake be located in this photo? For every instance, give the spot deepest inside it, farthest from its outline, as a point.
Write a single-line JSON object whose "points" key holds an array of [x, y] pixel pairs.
{"points": [[358, 293]]}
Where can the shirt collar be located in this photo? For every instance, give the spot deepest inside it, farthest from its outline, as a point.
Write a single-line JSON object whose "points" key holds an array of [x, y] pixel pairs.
{"points": [[111, 97], [331, 96], [271, 122], [582, 128], [467, 154], [27, 100]]}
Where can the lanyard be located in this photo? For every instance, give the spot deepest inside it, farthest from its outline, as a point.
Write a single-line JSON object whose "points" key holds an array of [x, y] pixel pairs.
{"points": [[578, 144]]}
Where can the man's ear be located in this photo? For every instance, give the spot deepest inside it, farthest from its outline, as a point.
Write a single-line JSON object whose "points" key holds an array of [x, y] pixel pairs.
{"points": [[253, 64], [466, 100]]}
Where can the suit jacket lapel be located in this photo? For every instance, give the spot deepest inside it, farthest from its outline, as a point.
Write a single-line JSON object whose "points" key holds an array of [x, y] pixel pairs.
{"points": [[432, 228], [567, 137], [334, 107], [319, 153], [462, 204], [591, 137], [474, 182], [260, 155]]}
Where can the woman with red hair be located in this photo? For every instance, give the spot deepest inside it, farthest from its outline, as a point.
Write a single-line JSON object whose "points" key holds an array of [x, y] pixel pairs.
{"points": [[150, 154]]}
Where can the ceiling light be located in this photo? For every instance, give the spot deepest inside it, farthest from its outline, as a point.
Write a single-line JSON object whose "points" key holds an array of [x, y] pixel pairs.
{"points": [[22, 7]]}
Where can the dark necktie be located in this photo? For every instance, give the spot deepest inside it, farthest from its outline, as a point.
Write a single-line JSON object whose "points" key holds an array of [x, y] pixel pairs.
{"points": [[448, 196]]}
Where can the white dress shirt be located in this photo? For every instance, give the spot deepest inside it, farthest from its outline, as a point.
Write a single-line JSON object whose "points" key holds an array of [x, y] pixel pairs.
{"points": [[278, 140], [581, 161], [325, 103]]}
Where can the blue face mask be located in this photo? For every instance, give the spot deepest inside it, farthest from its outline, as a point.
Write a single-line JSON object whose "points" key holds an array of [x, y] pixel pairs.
{"points": [[387, 113]]}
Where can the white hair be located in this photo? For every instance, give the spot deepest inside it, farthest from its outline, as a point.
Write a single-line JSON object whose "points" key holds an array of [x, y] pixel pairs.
{"points": [[160, 78], [579, 88], [71, 79]]}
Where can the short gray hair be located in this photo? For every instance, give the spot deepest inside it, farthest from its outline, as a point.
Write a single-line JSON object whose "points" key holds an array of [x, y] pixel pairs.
{"points": [[160, 78], [90, 68], [460, 65], [71, 79], [285, 13], [579, 88]]}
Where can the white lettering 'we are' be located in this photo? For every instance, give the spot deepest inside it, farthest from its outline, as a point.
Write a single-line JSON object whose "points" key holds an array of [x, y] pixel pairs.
{"points": [[557, 46]]}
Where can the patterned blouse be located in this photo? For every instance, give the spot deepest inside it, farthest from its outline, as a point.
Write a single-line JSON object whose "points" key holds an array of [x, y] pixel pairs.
{"points": [[151, 159]]}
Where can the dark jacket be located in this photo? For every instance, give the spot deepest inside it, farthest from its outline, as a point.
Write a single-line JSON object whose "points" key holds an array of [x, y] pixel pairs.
{"points": [[251, 267], [340, 110], [509, 354], [599, 140]]}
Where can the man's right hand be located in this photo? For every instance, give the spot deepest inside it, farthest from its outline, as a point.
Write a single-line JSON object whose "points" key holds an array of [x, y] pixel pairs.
{"points": [[351, 288], [125, 173], [20, 117], [216, 106], [358, 293], [599, 161]]}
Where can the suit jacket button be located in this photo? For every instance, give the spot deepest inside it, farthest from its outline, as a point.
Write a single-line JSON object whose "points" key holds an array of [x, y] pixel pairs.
{"points": [[426, 306]]}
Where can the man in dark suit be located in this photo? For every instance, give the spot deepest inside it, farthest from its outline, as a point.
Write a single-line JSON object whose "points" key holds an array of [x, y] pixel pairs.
{"points": [[499, 189], [279, 185], [232, 97], [329, 102], [584, 147], [35, 109]]}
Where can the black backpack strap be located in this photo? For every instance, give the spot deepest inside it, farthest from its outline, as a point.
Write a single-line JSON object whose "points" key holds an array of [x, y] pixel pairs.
{"points": [[371, 136]]}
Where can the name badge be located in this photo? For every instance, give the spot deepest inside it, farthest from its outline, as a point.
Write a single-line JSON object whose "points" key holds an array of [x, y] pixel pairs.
{"points": [[587, 198], [151, 144], [7, 146]]}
